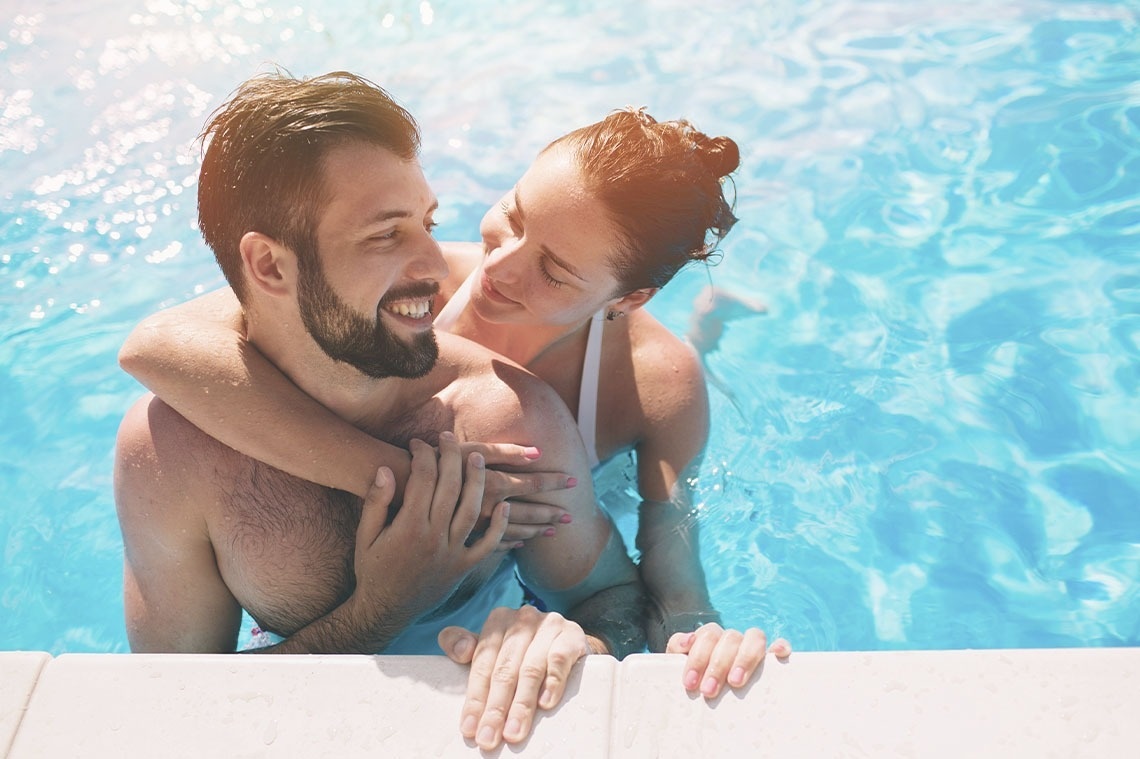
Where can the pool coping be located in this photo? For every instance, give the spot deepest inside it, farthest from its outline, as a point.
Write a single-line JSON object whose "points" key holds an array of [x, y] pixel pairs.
{"points": [[1016, 702]]}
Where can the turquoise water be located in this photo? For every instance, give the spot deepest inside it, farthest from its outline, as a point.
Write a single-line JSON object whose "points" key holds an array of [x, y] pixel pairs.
{"points": [[930, 440]]}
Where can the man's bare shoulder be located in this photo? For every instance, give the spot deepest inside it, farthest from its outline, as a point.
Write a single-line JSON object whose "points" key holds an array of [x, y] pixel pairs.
{"points": [[158, 449], [496, 400]]}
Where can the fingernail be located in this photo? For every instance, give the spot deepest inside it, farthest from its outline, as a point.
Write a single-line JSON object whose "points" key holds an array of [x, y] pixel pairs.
{"points": [[445, 435], [548, 532], [708, 687], [462, 647], [382, 475], [736, 677], [692, 677], [513, 729], [546, 700], [571, 481], [477, 460], [469, 725], [565, 519], [506, 508], [531, 453], [486, 737], [519, 544]]}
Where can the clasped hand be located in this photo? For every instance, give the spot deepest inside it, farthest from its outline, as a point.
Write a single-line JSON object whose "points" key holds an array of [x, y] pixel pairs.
{"points": [[409, 564], [528, 519]]}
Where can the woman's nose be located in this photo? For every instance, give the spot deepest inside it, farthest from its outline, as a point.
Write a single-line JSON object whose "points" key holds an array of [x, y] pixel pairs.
{"points": [[501, 262]]}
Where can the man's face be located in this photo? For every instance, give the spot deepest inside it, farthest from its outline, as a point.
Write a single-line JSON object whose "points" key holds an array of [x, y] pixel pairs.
{"points": [[366, 296], [364, 343]]}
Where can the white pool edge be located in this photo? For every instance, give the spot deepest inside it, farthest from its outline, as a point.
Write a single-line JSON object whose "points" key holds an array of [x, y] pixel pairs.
{"points": [[1001, 703]]}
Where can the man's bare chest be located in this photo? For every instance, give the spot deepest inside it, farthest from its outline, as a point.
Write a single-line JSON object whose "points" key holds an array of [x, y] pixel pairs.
{"points": [[284, 546]]}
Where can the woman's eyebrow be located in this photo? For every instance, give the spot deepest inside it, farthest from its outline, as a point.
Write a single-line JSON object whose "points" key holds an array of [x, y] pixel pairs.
{"points": [[558, 260]]}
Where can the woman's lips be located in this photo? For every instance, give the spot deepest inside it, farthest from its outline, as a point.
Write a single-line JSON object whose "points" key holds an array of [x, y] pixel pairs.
{"points": [[491, 293]]}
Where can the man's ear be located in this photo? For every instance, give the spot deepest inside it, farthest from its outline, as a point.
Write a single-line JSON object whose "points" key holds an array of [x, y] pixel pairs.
{"points": [[269, 266], [633, 300]]}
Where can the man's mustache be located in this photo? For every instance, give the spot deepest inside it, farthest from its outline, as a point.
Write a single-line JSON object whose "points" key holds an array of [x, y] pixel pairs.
{"points": [[412, 291]]}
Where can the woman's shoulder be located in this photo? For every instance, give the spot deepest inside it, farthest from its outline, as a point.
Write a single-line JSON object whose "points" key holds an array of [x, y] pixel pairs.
{"points": [[661, 372], [658, 354]]}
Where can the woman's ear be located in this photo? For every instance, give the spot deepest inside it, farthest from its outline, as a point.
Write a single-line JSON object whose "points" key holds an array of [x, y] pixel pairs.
{"points": [[270, 267], [632, 301]]}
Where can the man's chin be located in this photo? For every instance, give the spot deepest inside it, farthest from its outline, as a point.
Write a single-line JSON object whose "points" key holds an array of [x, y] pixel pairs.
{"points": [[405, 362]]}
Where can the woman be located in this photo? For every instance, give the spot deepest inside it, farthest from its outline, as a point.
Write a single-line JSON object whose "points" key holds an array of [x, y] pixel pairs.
{"points": [[605, 216]]}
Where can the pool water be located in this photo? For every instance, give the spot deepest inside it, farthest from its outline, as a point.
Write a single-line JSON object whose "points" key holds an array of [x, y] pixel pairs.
{"points": [[931, 438]]}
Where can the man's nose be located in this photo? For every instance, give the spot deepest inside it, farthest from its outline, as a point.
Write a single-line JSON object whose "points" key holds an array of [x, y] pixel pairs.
{"points": [[428, 262]]}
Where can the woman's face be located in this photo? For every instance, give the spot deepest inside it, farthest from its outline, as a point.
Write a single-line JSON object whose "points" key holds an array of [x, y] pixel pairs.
{"points": [[546, 248]]}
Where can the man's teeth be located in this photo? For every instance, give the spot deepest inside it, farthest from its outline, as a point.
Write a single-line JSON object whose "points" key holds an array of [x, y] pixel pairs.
{"points": [[414, 310]]}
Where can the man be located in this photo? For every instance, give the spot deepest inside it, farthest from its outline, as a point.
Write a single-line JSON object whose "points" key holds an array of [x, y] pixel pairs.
{"points": [[313, 200]]}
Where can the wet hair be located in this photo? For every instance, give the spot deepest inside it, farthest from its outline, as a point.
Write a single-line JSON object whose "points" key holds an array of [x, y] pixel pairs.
{"points": [[663, 184], [263, 166]]}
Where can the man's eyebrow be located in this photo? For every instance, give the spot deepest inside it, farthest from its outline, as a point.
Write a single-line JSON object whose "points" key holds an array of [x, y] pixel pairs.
{"points": [[560, 262], [398, 213]]}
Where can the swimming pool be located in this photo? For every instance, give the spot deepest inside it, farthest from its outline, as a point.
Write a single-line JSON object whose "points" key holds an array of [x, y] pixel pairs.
{"points": [[931, 440]]}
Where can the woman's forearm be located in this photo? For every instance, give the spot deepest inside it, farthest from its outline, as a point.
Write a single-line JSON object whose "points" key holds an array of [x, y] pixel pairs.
{"points": [[205, 370]]}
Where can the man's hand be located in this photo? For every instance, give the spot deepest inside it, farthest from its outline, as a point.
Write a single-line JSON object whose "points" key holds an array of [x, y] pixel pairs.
{"points": [[717, 656], [520, 663], [406, 567], [528, 519]]}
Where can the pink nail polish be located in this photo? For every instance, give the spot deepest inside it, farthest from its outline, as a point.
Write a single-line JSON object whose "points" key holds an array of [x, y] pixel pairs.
{"points": [[565, 519], [571, 481], [548, 532], [691, 679], [708, 687], [531, 453], [736, 677]]}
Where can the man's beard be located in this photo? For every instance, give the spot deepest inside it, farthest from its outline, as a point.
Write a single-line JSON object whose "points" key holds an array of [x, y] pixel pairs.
{"points": [[347, 336]]}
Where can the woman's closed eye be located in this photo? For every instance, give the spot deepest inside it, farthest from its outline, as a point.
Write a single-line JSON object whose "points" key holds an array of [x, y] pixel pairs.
{"points": [[512, 220], [545, 270]]}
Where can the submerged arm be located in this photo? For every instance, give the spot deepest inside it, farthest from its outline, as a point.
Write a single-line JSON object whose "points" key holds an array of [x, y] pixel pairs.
{"points": [[682, 617], [668, 455]]}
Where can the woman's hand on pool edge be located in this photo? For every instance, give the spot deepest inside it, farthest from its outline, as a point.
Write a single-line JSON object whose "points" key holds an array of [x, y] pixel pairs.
{"points": [[717, 656]]}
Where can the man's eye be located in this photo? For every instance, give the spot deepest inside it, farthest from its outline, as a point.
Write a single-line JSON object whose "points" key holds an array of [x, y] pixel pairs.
{"points": [[430, 226]]}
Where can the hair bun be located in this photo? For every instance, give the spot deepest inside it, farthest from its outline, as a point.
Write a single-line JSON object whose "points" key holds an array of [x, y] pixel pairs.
{"points": [[719, 154]]}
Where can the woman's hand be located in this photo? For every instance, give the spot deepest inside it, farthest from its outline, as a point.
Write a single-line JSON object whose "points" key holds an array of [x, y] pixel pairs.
{"points": [[717, 656], [528, 519]]}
